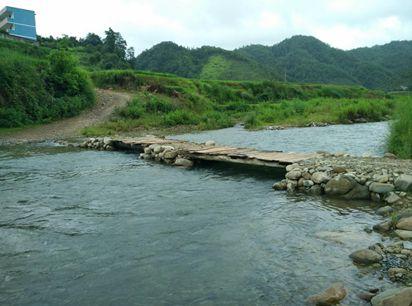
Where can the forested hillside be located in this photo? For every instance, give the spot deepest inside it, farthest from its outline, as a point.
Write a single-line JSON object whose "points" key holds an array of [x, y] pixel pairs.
{"points": [[205, 62], [298, 59]]}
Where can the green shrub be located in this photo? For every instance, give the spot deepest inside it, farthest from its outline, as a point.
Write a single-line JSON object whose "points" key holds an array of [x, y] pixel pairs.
{"points": [[400, 139], [252, 121], [41, 88], [156, 104], [180, 117]]}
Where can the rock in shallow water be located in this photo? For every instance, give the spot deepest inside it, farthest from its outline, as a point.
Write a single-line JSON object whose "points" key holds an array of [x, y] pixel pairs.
{"points": [[282, 185], [394, 297], [405, 224], [403, 234], [381, 187], [383, 227], [404, 183], [384, 211], [210, 143], [331, 296], [183, 162], [359, 192], [365, 257], [340, 185], [294, 174], [320, 177], [392, 198], [366, 296]]}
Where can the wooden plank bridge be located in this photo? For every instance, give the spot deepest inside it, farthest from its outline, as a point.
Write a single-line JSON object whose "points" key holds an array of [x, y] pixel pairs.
{"points": [[212, 152]]}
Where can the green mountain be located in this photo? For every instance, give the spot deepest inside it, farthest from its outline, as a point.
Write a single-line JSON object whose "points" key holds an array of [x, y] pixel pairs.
{"points": [[205, 62], [395, 56], [298, 59]]}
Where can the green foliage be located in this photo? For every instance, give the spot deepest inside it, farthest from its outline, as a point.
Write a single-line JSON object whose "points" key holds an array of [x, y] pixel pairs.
{"points": [[252, 121], [180, 117], [37, 87], [165, 101], [400, 140], [94, 52]]}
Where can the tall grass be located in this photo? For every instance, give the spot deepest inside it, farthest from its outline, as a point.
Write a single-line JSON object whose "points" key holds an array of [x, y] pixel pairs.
{"points": [[400, 139]]}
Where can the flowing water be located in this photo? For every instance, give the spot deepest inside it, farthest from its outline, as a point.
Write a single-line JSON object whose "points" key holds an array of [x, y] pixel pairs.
{"points": [[356, 139], [106, 228]]}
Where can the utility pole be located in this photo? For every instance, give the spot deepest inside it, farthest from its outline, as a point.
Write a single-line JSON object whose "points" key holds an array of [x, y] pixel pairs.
{"points": [[285, 76]]}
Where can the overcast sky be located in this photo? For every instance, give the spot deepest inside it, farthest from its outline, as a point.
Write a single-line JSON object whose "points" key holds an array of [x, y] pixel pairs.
{"points": [[229, 24]]}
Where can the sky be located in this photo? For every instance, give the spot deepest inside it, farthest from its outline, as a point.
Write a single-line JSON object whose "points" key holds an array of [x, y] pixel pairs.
{"points": [[229, 24]]}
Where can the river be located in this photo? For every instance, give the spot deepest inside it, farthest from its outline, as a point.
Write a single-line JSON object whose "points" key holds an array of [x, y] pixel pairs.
{"points": [[106, 228]]}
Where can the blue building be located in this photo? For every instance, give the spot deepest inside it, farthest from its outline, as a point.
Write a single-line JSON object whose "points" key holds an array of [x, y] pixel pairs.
{"points": [[18, 23]]}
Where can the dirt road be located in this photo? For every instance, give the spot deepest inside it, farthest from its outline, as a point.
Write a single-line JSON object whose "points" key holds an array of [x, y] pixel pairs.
{"points": [[106, 103]]}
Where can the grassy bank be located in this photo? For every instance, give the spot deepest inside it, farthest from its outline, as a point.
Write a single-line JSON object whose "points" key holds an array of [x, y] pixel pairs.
{"points": [[400, 140], [166, 102], [39, 85]]}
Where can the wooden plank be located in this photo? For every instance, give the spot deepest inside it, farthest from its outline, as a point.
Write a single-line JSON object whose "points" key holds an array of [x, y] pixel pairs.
{"points": [[214, 150]]}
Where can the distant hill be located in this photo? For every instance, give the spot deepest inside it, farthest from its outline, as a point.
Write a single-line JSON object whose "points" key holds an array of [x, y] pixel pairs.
{"points": [[300, 58], [205, 62]]}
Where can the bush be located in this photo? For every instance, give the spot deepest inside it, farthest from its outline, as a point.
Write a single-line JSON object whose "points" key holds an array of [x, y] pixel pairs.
{"points": [[180, 117], [252, 121], [41, 89], [157, 105], [400, 139]]}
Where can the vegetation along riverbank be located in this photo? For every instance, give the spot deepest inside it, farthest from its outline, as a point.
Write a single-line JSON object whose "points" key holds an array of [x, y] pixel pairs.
{"points": [[44, 83]]}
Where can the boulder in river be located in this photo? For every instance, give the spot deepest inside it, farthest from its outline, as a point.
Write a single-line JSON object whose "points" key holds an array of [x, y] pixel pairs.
{"points": [[405, 224], [394, 297], [292, 167], [294, 174], [340, 185], [392, 198], [316, 190], [404, 234], [183, 162], [210, 143], [359, 192], [331, 296], [385, 211], [320, 177], [365, 257], [170, 154], [383, 227], [381, 187], [366, 296], [282, 185], [404, 183]]}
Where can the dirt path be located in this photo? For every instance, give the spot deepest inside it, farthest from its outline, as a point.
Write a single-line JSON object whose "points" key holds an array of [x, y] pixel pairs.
{"points": [[106, 103]]}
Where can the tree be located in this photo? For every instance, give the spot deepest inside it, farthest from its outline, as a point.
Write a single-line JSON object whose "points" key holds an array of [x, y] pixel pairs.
{"points": [[130, 57], [114, 43], [92, 40]]}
